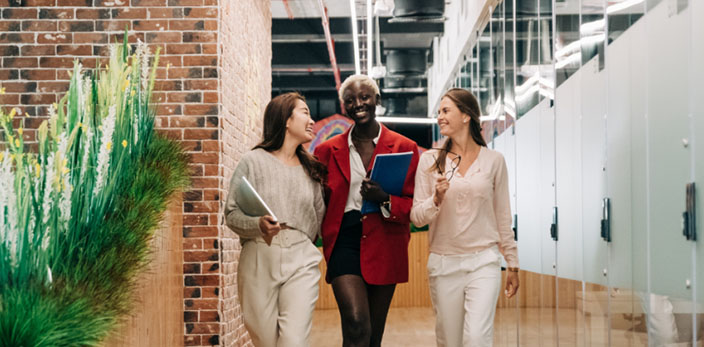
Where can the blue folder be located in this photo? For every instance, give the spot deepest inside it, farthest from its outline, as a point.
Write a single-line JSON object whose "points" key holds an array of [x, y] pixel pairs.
{"points": [[389, 170]]}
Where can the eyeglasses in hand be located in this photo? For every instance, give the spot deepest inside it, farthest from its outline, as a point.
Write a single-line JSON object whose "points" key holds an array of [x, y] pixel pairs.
{"points": [[454, 163]]}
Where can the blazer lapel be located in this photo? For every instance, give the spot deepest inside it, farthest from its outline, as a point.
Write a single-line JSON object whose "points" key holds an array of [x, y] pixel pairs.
{"points": [[341, 153], [383, 146]]}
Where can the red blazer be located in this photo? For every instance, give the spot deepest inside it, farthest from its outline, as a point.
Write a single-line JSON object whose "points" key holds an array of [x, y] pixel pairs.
{"points": [[384, 244]]}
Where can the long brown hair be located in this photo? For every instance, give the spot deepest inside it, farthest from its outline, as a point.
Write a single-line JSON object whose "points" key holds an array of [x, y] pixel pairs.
{"points": [[277, 112], [467, 104]]}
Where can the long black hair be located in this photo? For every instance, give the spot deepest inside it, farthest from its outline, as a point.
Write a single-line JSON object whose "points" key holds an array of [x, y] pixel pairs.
{"points": [[277, 112]]}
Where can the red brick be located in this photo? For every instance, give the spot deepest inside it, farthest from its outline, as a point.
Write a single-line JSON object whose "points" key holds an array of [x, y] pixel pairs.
{"points": [[129, 13], [198, 257], [201, 109], [39, 3], [165, 13], [19, 62], [46, 13], [185, 2], [200, 12], [174, 60], [200, 134], [168, 85], [39, 25], [149, 25], [42, 50], [71, 3], [17, 38], [132, 37], [189, 48], [112, 25], [186, 122], [111, 3], [211, 195], [197, 207], [9, 99], [90, 38], [204, 304], [191, 146], [195, 219], [208, 37], [77, 26], [74, 50], [211, 146], [53, 38], [186, 24], [20, 13], [148, 3], [19, 87], [210, 49], [209, 316], [36, 99], [92, 13], [37, 75], [63, 74], [209, 292], [9, 74], [200, 60], [200, 85], [192, 244], [210, 97], [6, 25], [163, 37], [190, 316], [195, 170], [205, 328], [205, 158], [204, 182], [200, 231], [191, 340], [63, 62], [53, 87], [211, 170], [191, 292]]}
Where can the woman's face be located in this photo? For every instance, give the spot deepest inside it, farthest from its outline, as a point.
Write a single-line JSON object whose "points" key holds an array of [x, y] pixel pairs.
{"points": [[359, 101], [451, 120], [300, 125]]}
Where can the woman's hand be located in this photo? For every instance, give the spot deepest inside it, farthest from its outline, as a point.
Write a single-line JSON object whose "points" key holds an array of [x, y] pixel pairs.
{"points": [[372, 191], [512, 284], [269, 228], [441, 186]]}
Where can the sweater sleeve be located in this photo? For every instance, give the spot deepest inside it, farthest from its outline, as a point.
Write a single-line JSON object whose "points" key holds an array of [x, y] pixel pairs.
{"points": [[424, 210], [502, 210], [247, 227]]}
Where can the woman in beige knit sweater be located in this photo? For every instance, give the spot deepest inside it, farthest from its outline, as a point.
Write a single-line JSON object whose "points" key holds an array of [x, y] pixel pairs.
{"points": [[278, 274]]}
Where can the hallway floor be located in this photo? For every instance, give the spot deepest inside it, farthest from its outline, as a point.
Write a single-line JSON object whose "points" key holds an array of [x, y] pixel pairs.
{"points": [[414, 327]]}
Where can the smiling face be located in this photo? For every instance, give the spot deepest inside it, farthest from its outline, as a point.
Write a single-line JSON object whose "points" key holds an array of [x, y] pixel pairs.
{"points": [[359, 101], [451, 120], [300, 125]]}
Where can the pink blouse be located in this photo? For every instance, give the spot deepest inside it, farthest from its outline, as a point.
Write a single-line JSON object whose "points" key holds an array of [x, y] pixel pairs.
{"points": [[475, 213]]}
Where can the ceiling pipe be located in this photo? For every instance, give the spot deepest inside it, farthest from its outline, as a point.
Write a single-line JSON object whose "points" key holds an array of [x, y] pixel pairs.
{"points": [[355, 36], [331, 44], [370, 37]]}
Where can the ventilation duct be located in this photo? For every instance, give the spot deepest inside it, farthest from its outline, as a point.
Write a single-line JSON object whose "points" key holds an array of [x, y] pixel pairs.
{"points": [[419, 8], [406, 62]]}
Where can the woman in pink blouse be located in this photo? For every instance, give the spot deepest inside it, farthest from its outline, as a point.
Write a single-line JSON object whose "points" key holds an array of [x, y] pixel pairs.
{"points": [[461, 191]]}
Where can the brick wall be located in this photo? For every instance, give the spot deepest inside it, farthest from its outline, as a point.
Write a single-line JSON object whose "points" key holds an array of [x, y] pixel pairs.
{"points": [[246, 88], [211, 97]]}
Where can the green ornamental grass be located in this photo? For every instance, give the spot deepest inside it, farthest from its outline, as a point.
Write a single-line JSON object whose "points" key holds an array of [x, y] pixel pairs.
{"points": [[78, 213]]}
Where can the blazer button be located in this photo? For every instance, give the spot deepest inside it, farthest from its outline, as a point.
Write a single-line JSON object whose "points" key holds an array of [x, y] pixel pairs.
{"points": [[365, 217], [364, 236]]}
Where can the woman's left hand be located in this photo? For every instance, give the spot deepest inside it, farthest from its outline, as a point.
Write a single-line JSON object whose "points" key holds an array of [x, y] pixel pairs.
{"points": [[372, 191], [512, 284]]}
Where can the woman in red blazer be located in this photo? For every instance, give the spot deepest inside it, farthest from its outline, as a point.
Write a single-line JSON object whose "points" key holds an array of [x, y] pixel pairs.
{"points": [[366, 255]]}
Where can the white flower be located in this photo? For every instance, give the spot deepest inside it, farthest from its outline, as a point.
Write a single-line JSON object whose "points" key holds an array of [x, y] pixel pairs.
{"points": [[105, 149], [8, 207]]}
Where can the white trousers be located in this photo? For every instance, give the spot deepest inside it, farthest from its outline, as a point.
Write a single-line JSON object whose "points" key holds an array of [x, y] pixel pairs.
{"points": [[464, 290], [278, 288]]}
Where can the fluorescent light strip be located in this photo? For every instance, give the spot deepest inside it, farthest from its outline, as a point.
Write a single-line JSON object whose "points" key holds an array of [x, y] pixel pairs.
{"points": [[370, 42], [355, 37], [407, 120]]}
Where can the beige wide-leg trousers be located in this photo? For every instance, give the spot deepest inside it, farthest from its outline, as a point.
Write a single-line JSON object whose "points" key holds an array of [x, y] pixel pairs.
{"points": [[464, 290], [278, 288]]}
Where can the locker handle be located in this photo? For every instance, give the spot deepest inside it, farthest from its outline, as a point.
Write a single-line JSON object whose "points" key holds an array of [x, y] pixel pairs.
{"points": [[689, 220], [553, 226], [606, 219]]}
